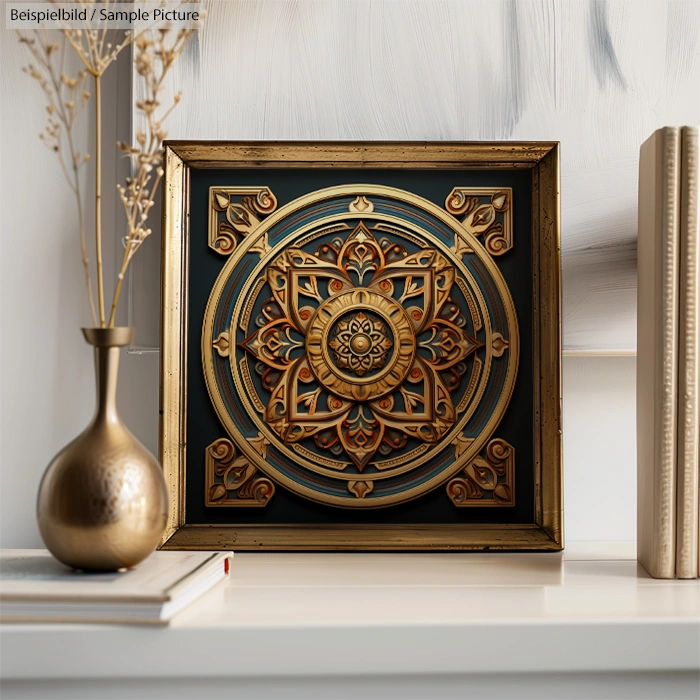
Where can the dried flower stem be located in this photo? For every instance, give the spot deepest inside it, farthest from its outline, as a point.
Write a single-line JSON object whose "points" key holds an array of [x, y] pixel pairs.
{"points": [[48, 72], [97, 51], [154, 55], [98, 198]]}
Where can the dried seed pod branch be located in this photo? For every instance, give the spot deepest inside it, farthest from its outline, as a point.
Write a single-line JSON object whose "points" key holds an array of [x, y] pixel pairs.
{"points": [[155, 53], [66, 97], [97, 49]]}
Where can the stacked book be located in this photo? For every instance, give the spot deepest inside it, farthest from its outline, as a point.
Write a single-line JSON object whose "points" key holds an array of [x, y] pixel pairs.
{"points": [[34, 587], [668, 439]]}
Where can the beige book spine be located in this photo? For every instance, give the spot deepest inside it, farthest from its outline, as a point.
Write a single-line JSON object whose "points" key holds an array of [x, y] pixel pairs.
{"points": [[657, 351], [687, 502]]}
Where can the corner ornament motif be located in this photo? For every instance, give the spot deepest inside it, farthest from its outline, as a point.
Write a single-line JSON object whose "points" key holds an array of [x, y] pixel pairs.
{"points": [[234, 213], [484, 212], [231, 480], [488, 480]]}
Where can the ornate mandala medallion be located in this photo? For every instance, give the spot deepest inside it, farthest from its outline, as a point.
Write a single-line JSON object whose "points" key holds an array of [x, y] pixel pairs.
{"points": [[360, 346]]}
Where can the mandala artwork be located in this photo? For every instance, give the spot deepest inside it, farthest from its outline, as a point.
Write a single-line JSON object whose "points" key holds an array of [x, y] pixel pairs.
{"points": [[360, 347]]}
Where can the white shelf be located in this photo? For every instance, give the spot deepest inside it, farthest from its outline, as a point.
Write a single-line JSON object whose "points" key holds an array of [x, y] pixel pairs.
{"points": [[589, 609]]}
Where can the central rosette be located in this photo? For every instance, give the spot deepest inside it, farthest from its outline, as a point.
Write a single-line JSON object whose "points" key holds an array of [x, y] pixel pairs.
{"points": [[360, 346], [360, 342]]}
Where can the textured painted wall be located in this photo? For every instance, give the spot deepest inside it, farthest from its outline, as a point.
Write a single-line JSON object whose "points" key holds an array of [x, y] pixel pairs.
{"points": [[362, 70], [597, 75]]}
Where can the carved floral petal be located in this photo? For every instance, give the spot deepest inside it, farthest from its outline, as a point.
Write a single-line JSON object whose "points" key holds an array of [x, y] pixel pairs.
{"points": [[295, 411], [445, 344], [422, 409], [427, 276], [294, 281], [361, 255], [361, 435], [274, 344]]}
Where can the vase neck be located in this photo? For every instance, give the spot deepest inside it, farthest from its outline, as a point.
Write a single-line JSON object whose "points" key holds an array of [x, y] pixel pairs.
{"points": [[106, 375]]}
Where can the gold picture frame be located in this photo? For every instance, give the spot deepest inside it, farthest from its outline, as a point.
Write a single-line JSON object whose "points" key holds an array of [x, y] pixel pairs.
{"points": [[541, 159]]}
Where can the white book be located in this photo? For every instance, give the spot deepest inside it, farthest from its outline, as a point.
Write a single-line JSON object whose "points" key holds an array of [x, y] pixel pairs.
{"points": [[657, 351], [34, 587], [687, 501]]}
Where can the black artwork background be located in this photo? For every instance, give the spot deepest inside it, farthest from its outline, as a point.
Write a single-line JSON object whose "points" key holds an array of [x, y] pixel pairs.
{"points": [[203, 426]]}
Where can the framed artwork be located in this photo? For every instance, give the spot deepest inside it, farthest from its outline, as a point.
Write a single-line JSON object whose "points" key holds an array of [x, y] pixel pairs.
{"points": [[361, 346]]}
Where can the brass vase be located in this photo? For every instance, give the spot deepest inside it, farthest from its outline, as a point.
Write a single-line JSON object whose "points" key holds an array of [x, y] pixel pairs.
{"points": [[103, 502]]}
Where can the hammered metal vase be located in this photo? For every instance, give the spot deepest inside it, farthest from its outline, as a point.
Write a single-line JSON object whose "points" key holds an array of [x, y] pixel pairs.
{"points": [[103, 502]]}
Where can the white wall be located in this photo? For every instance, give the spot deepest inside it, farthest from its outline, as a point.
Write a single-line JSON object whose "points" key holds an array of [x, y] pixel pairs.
{"points": [[600, 472], [46, 368]]}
